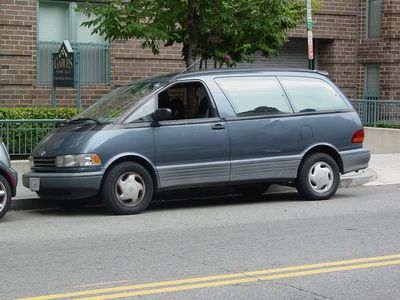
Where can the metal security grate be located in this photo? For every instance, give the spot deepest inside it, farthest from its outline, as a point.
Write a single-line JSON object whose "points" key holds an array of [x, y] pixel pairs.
{"points": [[378, 112], [94, 61]]}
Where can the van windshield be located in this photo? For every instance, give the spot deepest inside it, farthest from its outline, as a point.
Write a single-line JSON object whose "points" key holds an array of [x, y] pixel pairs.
{"points": [[112, 106]]}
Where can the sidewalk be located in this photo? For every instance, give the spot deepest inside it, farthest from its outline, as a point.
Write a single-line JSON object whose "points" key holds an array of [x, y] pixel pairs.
{"points": [[383, 169]]}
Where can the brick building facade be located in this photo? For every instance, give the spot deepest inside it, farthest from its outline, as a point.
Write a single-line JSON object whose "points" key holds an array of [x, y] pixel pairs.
{"points": [[356, 41]]}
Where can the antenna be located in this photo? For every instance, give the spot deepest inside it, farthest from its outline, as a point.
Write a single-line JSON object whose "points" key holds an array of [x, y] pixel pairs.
{"points": [[187, 68]]}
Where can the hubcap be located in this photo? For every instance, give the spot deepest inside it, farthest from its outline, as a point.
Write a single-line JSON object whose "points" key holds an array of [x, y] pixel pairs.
{"points": [[321, 177], [130, 189], [3, 196]]}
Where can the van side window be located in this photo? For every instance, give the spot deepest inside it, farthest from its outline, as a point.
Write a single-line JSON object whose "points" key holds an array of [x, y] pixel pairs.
{"points": [[311, 94], [144, 113], [254, 96], [188, 100]]}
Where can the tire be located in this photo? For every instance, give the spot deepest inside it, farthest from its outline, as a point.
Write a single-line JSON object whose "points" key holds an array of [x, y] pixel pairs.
{"points": [[318, 177], [253, 190], [127, 189], [5, 196]]}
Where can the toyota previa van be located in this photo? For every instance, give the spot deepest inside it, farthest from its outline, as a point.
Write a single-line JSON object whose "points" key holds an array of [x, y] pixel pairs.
{"points": [[243, 128]]}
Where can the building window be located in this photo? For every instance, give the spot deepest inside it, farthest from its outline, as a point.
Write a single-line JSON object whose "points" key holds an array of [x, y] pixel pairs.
{"points": [[59, 21], [373, 18], [371, 90]]}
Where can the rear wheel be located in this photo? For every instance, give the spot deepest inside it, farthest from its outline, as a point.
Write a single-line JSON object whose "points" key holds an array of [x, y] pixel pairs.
{"points": [[5, 196], [318, 177], [127, 189], [253, 190]]}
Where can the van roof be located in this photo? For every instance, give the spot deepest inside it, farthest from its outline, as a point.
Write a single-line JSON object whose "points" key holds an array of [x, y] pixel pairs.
{"points": [[201, 73], [247, 70]]}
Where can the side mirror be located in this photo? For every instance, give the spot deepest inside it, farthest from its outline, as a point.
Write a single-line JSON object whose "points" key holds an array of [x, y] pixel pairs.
{"points": [[162, 114]]}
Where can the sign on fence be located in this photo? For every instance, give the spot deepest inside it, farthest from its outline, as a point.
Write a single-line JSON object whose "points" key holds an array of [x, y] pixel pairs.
{"points": [[66, 72], [64, 67]]}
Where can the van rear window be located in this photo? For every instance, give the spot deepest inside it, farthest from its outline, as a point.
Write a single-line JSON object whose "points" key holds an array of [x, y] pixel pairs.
{"points": [[311, 94]]}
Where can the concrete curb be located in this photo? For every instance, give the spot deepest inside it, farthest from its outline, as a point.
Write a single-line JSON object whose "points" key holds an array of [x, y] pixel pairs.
{"points": [[26, 200], [359, 178], [21, 166]]}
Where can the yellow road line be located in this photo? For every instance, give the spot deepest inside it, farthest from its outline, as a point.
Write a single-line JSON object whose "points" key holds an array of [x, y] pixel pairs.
{"points": [[242, 280], [211, 278]]}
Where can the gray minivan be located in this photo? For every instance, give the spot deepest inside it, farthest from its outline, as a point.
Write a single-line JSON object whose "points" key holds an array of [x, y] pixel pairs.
{"points": [[244, 128]]}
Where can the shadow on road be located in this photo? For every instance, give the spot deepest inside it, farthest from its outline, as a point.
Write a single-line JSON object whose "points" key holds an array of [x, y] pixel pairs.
{"points": [[182, 199], [186, 199]]}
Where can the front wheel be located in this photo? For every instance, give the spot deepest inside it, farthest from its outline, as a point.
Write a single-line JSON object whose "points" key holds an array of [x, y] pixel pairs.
{"points": [[318, 177], [127, 189], [5, 196]]}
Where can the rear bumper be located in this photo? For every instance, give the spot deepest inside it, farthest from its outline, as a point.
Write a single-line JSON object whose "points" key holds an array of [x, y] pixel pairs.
{"points": [[354, 160], [65, 185], [14, 181]]}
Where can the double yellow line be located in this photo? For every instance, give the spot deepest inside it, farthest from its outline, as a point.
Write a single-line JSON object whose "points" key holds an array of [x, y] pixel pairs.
{"points": [[226, 279]]}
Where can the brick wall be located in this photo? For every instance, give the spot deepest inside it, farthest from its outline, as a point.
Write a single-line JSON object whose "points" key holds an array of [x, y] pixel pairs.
{"points": [[384, 51], [339, 28], [335, 29], [18, 81]]}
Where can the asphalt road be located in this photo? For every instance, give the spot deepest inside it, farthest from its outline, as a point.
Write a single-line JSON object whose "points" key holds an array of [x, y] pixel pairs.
{"points": [[344, 248]]}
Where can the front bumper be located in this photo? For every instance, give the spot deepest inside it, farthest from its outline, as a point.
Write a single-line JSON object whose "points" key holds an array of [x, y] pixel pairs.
{"points": [[354, 160], [65, 185]]}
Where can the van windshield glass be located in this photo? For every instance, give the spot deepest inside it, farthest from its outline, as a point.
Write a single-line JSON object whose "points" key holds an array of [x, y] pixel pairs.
{"points": [[111, 107]]}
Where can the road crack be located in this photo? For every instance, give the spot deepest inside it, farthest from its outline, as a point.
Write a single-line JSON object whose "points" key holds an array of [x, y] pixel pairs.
{"points": [[301, 290]]}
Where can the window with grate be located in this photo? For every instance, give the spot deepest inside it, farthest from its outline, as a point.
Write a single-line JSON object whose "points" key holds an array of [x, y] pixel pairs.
{"points": [[371, 88], [59, 21], [373, 18]]}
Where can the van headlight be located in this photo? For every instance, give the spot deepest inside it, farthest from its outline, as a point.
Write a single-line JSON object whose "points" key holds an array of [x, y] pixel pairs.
{"points": [[79, 160]]}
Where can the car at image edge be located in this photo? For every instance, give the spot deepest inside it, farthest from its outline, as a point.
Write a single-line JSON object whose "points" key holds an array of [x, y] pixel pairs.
{"points": [[8, 181]]}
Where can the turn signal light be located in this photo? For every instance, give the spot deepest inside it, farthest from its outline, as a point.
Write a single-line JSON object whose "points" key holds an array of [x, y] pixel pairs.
{"points": [[358, 137]]}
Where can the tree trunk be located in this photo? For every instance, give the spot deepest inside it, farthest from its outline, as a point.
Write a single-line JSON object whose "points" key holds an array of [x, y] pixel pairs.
{"points": [[193, 31]]}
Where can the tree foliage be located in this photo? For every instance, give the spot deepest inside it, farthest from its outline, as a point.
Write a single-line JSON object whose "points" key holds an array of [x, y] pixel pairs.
{"points": [[226, 31]]}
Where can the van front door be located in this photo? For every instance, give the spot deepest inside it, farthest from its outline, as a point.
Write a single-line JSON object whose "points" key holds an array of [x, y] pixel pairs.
{"points": [[192, 153], [193, 148]]}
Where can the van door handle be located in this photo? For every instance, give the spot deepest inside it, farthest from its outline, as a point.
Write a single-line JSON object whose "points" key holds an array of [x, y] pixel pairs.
{"points": [[218, 126]]}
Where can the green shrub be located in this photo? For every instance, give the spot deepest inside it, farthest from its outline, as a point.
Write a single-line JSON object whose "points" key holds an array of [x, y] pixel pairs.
{"points": [[37, 113]]}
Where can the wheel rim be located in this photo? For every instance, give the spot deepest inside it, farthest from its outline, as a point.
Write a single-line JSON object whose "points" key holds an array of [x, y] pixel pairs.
{"points": [[3, 196], [321, 177], [130, 189]]}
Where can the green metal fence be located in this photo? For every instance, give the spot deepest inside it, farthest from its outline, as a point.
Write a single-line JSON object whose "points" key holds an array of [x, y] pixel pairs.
{"points": [[21, 136], [378, 112], [94, 61]]}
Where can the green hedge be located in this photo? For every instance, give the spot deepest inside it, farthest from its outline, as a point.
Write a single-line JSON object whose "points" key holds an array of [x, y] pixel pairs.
{"points": [[37, 113]]}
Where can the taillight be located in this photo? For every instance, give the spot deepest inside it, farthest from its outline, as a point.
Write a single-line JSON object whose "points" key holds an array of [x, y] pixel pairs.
{"points": [[358, 137]]}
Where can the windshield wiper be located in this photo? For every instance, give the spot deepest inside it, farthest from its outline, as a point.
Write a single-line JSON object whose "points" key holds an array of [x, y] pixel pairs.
{"points": [[78, 120]]}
